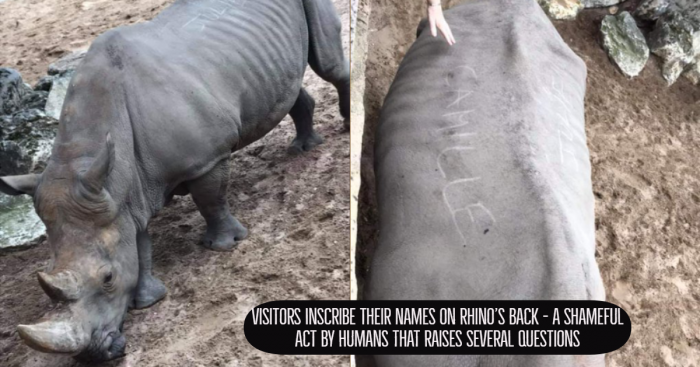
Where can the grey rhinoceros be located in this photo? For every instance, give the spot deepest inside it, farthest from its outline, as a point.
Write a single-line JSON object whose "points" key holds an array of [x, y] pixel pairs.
{"points": [[483, 174], [155, 109]]}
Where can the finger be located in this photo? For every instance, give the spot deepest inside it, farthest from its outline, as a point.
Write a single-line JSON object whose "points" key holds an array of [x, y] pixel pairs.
{"points": [[450, 36], [433, 26], [446, 32]]}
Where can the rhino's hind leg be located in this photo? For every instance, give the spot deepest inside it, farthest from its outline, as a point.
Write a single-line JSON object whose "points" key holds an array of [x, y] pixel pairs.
{"points": [[209, 194], [326, 54], [303, 115], [150, 289]]}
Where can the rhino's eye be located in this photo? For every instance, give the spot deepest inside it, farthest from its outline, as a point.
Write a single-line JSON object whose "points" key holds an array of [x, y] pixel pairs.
{"points": [[108, 278]]}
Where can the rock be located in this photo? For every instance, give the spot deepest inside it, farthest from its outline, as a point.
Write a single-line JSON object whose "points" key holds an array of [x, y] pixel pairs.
{"points": [[12, 90], [35, 99], [652, 9], [27, 137], [27, 140], [689, 8], [625, 43], [19, 223], [29, 115], [54, 103], [600, 3], [693, 73], [67, 63], [676, 40], [44, 83], [26, 147], [561, 9]]}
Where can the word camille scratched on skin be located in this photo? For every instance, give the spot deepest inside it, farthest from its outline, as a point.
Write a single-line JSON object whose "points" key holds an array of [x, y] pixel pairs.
{"points": [[461, 122], [212, 14]]}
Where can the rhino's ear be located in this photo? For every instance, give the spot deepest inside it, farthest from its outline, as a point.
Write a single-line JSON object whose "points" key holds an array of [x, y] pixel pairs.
{"points": [[18, 185], [94, 178]]}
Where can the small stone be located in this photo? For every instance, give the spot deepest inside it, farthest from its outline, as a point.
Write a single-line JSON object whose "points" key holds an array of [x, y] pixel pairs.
{"points": [[667, 355], [600, 3], [625, 43], [652, 9], [561, 9], [613, 10], [693, 73], [44, 83], [67, 63]]}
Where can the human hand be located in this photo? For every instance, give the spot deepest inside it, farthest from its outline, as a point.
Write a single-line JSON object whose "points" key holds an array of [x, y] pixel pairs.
{"points": [[437, 21]]}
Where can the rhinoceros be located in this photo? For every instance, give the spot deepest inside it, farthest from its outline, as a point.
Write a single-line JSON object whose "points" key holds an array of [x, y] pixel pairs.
{"points": [[155, 110], [483, 175]]}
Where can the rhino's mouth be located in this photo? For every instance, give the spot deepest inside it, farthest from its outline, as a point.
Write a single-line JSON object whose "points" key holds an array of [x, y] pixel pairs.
{"points": [[111, 345]]}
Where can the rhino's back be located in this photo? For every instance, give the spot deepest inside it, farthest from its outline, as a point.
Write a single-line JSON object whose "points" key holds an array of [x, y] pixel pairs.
{"points": [[252, 47], [483, 173], [204, 77]]}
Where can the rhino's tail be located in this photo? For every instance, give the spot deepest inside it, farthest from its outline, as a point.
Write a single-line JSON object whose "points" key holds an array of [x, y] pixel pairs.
{"points": [[326, 55]]}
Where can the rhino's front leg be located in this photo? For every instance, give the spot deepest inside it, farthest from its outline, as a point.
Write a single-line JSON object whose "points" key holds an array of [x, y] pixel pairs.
{"points": [[150, 289], [209, 194]]}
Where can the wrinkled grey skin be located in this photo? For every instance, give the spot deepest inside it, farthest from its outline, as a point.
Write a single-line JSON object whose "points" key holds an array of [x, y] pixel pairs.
{"points": [[483, 174], [155, 110]]}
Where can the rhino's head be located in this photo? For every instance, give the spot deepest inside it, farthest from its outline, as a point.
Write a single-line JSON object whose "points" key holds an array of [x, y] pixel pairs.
{"points": [[94, 268]]}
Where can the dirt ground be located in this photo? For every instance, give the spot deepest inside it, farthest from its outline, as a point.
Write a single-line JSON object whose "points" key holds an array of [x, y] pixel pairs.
{"points": [[644, 139], [296, 208]]}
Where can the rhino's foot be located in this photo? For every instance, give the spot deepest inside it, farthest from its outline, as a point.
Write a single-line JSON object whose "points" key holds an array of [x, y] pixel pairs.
{"points": [[304, 144], [225, 240], [343, 88], [150, 291]]}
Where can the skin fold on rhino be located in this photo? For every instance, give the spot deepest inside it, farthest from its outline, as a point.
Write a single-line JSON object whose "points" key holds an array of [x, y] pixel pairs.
{"points": [[155, 110], [483, 174]]}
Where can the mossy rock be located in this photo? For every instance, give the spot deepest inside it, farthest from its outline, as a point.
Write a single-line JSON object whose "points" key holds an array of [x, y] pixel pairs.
{"points": [[625, 43], [561, 9], [676, 40], [19, 223]]}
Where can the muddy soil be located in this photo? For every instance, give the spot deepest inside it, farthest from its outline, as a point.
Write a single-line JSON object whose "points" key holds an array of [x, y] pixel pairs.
{"points": [[296, 208], [644, 139]]}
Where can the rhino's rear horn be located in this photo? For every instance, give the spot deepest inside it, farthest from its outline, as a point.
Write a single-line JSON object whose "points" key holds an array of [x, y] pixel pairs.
{"points": [[64, 337], [62, 286], [94, 178]]}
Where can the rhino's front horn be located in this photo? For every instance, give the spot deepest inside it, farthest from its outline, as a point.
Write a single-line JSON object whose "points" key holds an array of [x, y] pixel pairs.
{"points": [[55, 337], [62, 286]]}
